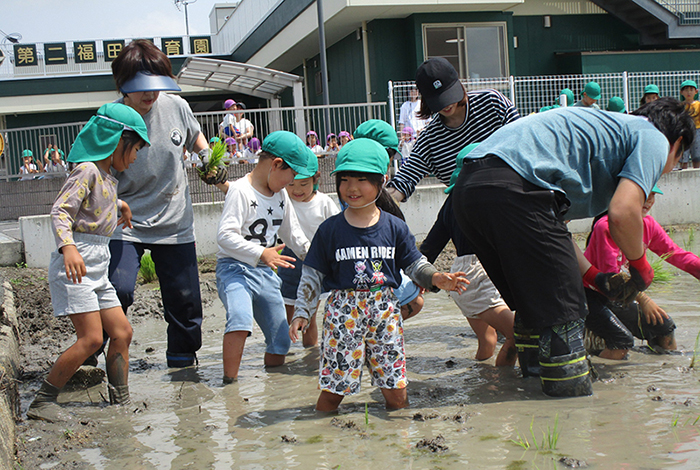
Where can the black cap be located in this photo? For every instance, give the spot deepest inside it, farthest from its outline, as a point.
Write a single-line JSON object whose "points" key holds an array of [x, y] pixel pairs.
{"points": [[438, 84]]}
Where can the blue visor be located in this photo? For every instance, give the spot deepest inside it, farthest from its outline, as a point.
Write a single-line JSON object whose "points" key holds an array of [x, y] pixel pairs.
{"points": [[144, 81]]}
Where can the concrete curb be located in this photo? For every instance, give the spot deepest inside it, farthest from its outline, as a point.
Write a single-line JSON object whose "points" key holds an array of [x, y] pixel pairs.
{"points": [[9, 371]]}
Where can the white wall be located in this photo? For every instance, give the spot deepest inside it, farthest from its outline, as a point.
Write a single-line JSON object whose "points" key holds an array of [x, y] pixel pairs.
{"points": [[680, 204]]}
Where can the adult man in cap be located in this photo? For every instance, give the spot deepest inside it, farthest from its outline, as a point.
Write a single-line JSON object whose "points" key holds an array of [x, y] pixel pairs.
{"points": [[589, 96], [519, 186]]}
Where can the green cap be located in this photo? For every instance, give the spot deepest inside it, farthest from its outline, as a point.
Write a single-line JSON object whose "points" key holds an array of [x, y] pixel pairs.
{"points": [[616, 104], [569, 96], [547, 108], [100, 136], [379, 131], [460, 162], [689, 83], [656, 190], [363, 155], [311, 165], [214, 140], [651, 88], [592, 90], [290, 148], [27, 153]]}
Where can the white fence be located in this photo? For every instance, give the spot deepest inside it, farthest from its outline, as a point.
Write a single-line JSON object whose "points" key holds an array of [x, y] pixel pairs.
{"points": [[529, 94]]}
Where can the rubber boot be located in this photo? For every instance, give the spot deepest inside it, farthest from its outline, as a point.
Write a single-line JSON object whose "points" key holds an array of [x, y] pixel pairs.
{"points": [[527, 345], [118, 394], [566, 376], [45, 406]]}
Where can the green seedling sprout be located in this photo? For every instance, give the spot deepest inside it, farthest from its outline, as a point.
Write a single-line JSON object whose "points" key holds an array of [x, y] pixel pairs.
{"points": [[216, 160], [148, 268], [695, 351]]}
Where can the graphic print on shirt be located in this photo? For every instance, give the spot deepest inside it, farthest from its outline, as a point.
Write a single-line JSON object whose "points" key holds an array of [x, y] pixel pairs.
{"points": [[259, 227], [361, 279], [378, 277]]}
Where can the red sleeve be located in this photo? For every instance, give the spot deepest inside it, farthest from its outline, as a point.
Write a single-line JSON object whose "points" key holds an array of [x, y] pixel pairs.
{"points": [[658, 241], [602, 251]]}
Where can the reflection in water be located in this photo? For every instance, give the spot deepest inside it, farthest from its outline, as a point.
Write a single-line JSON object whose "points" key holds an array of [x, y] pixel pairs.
{"points": [[642, 414]]}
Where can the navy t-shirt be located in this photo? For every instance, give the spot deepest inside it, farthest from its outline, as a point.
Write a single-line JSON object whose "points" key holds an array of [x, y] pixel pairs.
{"points": [[362, 258]]}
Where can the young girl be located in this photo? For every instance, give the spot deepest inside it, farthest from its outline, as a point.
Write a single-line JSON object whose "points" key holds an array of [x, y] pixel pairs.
{"points": [[312, 208], [28, 168], [344, 137], [331, 144], [83, 218], [312, 143], [356, 255]]}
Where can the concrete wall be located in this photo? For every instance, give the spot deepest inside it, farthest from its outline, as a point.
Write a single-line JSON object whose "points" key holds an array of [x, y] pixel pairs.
{"points": [[680, 204]]}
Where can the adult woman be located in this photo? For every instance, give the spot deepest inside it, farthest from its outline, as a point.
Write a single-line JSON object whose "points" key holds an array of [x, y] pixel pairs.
{"points": [[156, 189]]}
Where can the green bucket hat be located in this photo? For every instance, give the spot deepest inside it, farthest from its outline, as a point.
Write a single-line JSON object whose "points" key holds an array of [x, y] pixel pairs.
{"points": [[656, 190], [290, 148], [616, 104], [379, 131], [363, 155], [311, 165], [569, 96], [100, 136], [460, 162], [651, 88], [592, 90], [27, 153]]}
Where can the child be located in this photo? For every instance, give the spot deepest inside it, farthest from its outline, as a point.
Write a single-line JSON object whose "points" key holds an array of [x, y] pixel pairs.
{"points": [[356, 255], [618, 324], [83, 218], [651, 93], [312, 208], [256, 210], [481, 304], [252, 150], [406, 144], [689, 91], [344, 137], [312, 143], [28, 168], [331, 144]]}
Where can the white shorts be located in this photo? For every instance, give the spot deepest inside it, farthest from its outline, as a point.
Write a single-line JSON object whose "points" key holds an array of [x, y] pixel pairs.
{"points": [[95, 292], [481, 294]]}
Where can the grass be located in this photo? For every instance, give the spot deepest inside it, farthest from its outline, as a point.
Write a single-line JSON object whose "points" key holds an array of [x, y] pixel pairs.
{"points": [[549, 440], [148, 268], [688, 244]]}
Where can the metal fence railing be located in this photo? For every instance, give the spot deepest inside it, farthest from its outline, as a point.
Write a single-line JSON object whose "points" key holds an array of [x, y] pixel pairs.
{"points": [[687, 11], [529, 94]]}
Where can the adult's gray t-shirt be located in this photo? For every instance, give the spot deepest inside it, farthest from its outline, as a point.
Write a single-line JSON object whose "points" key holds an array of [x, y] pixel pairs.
{"points": [[155, 186]]}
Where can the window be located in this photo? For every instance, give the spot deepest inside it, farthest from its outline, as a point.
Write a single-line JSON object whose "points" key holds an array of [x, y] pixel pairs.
{"points": [[476, 50]]}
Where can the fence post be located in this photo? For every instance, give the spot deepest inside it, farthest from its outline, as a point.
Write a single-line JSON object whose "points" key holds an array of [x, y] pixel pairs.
{"points": [[511, 84], [391, 104], [626, 90]]}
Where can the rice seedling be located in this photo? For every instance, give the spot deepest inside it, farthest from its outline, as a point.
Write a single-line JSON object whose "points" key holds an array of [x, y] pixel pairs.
{"points": [[549, 440], [662, 273], [211, 167], [148, 268], [674, 423], [688, 244], [695, 351]]}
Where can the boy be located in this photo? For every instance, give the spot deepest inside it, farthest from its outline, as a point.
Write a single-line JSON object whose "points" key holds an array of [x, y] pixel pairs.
{"points": [[689, 91], [256, 210], [28, 167]]}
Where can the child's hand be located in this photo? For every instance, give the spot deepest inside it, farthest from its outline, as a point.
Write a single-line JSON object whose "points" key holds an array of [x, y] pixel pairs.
{"points": [[451, 281], [125, 218], [297, 324], [273, 259], [75, 266]]}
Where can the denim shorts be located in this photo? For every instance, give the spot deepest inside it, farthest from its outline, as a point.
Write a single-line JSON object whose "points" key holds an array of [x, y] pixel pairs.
{"points": [[94, 292], [253, 293]]}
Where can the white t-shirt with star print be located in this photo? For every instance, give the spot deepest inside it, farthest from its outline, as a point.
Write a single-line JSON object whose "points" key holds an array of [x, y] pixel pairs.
{"points": [[251, 222]]}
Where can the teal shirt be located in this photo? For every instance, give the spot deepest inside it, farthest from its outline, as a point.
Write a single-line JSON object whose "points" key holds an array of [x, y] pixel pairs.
{"points": [[581, 152]]}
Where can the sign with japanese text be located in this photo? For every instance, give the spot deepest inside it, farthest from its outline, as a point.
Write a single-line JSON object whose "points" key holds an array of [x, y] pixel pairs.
{"points": [[55, 53], [25, 55], [84, 52], [200, 45], [112, 49], [172, 46]]}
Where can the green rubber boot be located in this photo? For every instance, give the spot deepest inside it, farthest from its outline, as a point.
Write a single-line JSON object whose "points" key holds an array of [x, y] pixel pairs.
{"points": [[45, 406]]}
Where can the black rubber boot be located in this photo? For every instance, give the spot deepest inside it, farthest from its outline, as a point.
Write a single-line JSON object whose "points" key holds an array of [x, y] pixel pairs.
{"points": [[528, 346], [566, 376], [118, 394], [45, 406]]}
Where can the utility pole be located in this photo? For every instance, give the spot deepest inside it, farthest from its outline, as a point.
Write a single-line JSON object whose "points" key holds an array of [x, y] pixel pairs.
{"points": [[187, 20], [324, 68]]}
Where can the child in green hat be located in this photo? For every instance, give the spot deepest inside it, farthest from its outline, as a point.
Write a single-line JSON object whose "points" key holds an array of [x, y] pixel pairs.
{"points": [[83, 218], [689, 92], [256, 212], [356, 255]]}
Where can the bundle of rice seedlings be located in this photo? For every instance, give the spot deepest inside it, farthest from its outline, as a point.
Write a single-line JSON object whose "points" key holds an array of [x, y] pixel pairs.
{"points": [[148, 268], [210, 168]]}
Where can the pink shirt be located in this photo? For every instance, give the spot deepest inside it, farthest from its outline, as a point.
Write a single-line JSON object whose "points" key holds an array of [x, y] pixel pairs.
{"points": [[604, 254]]}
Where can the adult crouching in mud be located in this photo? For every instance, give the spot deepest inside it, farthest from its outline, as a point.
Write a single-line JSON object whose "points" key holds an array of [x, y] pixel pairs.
{"points": [[515, 191], [156, 188]]}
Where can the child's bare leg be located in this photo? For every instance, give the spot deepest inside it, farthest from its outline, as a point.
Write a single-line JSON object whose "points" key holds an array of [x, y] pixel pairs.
{"points": [[616, 354], [88, 329], [487, 337], [273, 360], [501, 318], [310, 337], [234, 341], [328, 401], [120, 332], [396, 398], [412, 308]]}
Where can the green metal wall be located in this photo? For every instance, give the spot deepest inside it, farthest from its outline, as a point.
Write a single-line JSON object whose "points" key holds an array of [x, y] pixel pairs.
{"points": [[606, 62]]}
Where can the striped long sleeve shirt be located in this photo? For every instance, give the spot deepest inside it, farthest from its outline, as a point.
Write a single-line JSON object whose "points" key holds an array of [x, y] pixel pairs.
{"points": [[435, 151]]}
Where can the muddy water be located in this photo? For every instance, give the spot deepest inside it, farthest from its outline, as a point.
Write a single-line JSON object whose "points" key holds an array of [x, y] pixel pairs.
{"points": [[643, 415]]}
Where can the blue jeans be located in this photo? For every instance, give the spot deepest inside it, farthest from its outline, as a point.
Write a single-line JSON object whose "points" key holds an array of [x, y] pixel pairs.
{"points": [[178, 275]]}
